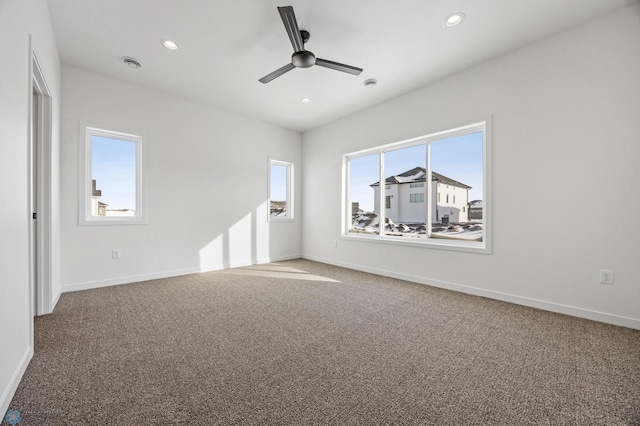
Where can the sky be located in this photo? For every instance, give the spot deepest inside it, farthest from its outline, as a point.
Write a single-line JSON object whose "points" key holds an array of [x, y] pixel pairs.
{"points": [[458, 158], [278, 183], [113, 166]]}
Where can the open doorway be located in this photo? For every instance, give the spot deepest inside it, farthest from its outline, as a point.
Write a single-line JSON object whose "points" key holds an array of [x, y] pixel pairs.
{"points": [[40, 191]]}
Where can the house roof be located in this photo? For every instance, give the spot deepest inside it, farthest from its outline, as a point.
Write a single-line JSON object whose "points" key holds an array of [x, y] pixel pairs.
{"points": [[419, 174]]}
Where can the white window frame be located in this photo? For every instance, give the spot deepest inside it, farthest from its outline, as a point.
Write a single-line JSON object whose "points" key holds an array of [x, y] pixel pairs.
{"points": [[289, 191], [87, 131], [457, 245]]}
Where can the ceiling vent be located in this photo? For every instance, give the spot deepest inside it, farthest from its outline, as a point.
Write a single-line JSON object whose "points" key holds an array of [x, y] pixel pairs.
{"points": [[131, 63]]}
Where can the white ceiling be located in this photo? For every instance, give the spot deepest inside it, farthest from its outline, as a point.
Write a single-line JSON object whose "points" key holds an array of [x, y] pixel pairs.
{"points": [[225, 47]]}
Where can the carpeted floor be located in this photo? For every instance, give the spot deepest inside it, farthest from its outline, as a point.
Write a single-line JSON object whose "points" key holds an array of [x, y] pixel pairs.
{"points": [[299, 342]]}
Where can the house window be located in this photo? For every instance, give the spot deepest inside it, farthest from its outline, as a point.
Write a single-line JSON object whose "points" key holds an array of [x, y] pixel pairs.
{"points": [[416, 198], [454, 161], [280, 190], [112, 192]]}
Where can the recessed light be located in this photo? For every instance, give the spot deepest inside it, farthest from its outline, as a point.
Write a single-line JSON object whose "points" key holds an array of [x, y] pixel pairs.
{"points": [[171, 45], [454, 19], [131, 62], [306, 100], [370, 83]]}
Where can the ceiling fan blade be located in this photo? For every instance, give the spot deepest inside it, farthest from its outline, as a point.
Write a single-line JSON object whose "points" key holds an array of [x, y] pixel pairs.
{"points": [[277, 73], [291, 25], [338, 66]]}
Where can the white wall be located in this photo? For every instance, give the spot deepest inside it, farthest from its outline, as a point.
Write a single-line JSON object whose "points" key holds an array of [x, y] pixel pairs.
{"points": [[566, 133], [206, 174], [19, 19]]}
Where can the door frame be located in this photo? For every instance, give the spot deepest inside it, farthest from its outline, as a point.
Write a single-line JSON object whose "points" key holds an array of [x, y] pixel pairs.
{"points": [[40, 202]]}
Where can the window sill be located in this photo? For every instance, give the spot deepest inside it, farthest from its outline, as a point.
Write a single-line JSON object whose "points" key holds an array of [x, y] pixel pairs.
{"points": [[112, 221], [432, 243], [284, 219]]}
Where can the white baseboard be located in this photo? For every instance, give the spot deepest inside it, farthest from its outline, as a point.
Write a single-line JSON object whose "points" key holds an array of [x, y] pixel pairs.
{"points": [[505, 297], [283, 258], [56, 297], [10, 390], [168, 274], [88, 285]]}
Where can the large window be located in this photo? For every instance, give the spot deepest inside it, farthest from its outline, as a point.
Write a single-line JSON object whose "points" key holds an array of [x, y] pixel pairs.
{"points": [[430, 184], [111, 178], [280, 190]]}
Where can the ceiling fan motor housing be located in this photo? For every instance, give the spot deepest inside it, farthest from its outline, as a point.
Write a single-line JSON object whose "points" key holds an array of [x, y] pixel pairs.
{"points": [[303, 59]]}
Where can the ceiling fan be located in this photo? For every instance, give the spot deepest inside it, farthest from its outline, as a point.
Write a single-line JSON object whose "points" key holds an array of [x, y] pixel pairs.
{"points": [[302, 58]]}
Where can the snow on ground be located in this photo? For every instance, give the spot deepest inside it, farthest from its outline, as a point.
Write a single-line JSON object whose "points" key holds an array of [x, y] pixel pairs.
{"points": [[369, 223]]}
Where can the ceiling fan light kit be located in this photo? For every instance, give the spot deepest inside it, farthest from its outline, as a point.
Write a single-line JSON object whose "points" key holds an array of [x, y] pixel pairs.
{"points": [[302, 58]]}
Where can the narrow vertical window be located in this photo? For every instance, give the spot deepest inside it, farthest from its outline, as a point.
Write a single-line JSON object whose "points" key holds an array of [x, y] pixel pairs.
{"points": [[280, 190], [111, 176]]}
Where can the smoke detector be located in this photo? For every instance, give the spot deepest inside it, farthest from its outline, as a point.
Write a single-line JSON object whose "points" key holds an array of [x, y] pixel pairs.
{"points": [[131, 62]]}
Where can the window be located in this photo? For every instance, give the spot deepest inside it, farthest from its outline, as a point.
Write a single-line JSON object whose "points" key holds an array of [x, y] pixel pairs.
{"points": [[416, 198], [280, 190], [454, 163], [111, 192]]}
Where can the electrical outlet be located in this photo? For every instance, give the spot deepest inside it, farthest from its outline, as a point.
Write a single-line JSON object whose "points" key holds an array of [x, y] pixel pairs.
{"points": [[606, 276], [115, 254]]}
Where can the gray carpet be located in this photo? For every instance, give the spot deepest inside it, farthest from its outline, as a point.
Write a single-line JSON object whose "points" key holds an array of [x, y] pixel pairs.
{"points": [[299, 342]]}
